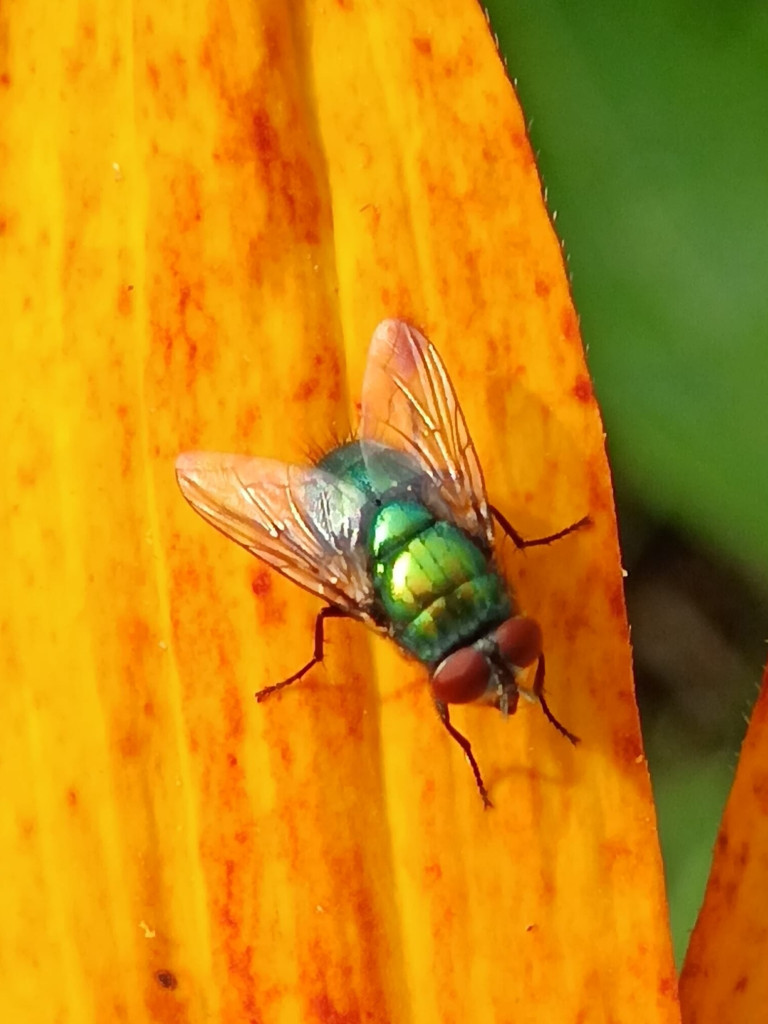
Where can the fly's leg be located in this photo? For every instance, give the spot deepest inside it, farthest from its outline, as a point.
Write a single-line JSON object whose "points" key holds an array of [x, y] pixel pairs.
{"points": [[538, 692], [325, 613], [442, 710], [521, 543]]}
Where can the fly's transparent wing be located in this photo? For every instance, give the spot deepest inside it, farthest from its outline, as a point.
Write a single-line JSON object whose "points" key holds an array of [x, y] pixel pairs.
{"points": [[301, 520], [408, 403]]}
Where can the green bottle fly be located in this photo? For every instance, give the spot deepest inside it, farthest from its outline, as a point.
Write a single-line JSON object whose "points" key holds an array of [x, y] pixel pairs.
{"points": [[394, 529]]}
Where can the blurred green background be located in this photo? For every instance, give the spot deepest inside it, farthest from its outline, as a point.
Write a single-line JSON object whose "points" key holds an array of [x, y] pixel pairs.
{"points": [[650, 124]]}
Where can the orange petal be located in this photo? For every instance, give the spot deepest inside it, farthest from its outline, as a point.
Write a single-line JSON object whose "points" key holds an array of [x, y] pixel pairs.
{"points": [[724, 975], [206, 213]]}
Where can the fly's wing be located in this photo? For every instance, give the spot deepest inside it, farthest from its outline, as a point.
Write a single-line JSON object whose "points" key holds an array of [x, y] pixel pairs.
{"points": [[301, 520], [408, 403]]}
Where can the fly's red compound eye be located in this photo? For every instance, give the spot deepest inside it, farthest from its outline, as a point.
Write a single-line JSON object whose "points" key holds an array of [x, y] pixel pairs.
{"points": [[461, 677], [519, 641]]}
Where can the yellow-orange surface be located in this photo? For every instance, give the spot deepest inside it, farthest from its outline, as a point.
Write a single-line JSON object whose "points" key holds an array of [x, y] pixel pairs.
{"points": [[206, 208], [725, 978]]}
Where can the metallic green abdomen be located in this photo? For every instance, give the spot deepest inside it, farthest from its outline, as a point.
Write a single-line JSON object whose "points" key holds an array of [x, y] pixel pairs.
{"points": [[435, 588], [434, 584]]}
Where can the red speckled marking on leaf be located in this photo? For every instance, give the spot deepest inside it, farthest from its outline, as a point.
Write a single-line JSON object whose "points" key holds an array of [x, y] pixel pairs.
{"points": [[261, 582], [582, 388], [569, 324]]}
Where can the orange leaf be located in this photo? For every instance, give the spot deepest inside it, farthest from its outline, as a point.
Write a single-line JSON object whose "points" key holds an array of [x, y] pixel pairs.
{"points": [[724, 974], [206, 212]]}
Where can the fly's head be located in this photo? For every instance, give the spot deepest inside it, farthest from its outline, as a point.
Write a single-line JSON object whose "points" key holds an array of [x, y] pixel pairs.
{"points": [[487, 670]]}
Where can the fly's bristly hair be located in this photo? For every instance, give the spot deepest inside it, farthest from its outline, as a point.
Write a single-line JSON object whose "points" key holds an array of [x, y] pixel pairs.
{"points": [[315, 451]]}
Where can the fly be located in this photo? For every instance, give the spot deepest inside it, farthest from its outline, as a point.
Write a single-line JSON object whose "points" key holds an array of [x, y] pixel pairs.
{"points": [[393, 529]]}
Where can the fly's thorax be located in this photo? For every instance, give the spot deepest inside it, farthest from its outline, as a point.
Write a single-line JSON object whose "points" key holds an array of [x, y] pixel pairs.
{"points": [[385, 476], [374, 469]]}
